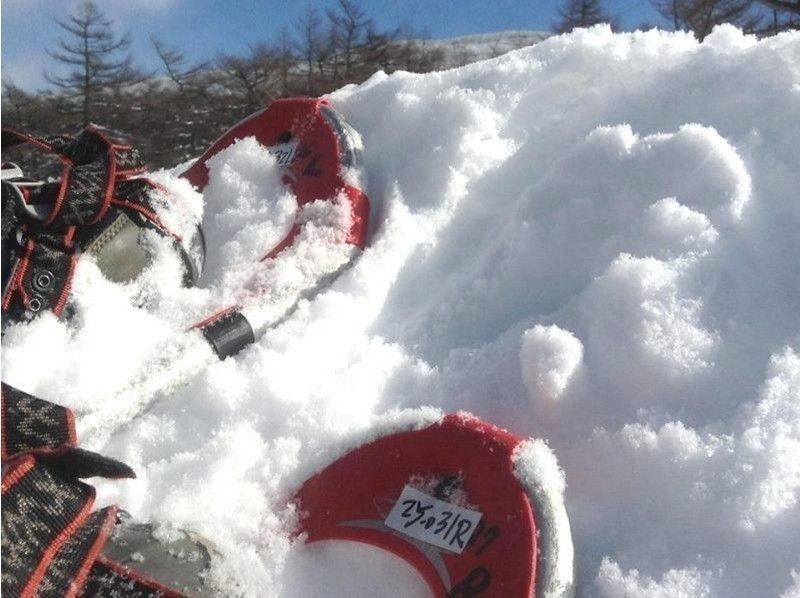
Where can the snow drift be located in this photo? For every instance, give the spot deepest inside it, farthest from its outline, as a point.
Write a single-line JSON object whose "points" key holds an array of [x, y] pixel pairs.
{"points": [[592, 242]]}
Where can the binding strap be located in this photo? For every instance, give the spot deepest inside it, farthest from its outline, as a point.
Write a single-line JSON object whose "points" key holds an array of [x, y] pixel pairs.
{"points": [[41, 512], [51, 539], [54, 221], [31, 424], [93, 164], [42, 276]]}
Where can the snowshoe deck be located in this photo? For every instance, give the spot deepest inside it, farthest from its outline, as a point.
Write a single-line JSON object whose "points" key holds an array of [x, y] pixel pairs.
{"points": [[179, 563], [447, 500], [317, 150], [313, 143]]}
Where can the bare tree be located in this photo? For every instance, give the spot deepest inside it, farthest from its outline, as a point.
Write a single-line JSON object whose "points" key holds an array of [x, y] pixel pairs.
{"points": [[285, 55], [179, 112], [378, 49], [496, 45], [16, 103], [175, 64], [174, 119], [310, 44], [96, 56], [462, 53], [792, 6], [672, 11], [349, 28], [701, 16], [783, 15], [581, 13], [327, 57], [408, 49], [40, 112], [251, 77]]}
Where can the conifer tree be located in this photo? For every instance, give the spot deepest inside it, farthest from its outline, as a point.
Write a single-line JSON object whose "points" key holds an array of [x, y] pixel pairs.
{"points": [[95, 55]]}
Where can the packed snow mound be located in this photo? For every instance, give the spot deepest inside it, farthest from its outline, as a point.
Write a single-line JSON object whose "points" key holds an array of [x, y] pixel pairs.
{"points": [[592, 242]]}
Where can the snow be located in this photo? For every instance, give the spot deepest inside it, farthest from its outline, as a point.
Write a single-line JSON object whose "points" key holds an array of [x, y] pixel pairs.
{"points": [[457, 51], [536, 467], [352, 569], [591, 242], [549, 359]]}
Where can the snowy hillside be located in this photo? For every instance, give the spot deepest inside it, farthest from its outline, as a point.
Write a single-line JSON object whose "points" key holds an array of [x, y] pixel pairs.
{"points": [[458, 51], [592, 241]]}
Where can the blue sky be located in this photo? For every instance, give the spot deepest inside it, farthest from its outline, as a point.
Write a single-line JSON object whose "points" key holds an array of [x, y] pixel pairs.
{"points": [[202, 29]]}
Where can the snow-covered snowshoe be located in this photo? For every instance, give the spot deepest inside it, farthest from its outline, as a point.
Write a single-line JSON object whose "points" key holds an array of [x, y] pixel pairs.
{"points": [[99, 205], [473, 508], [318, 151], [180, 560], [51, 538]]}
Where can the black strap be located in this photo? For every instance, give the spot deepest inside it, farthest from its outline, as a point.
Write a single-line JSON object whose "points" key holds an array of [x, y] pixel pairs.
{"points": [[40, 512], [42, 274], [72, 565], [100, 178], [94, 164], [30, 424], [51, 540]]}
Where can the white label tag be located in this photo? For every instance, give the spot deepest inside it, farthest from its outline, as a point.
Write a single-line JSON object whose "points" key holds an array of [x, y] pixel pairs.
{"points": [[431, 520], [283, 153]]}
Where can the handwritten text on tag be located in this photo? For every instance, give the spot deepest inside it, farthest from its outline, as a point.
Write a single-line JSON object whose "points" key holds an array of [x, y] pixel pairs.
{"points": [[431, 520]]}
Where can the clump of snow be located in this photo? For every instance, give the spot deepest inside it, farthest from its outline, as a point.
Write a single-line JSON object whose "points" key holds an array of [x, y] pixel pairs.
{"points": [[640, 307], [246, 207], [549, 359], [769, 442], [626, 204], [535, 464]]}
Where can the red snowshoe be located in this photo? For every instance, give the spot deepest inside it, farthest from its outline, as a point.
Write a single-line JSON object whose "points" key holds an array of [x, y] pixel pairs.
{"points": [[102, 201], [52, 540], [459, 500], [317, 149], [474, 509]]}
